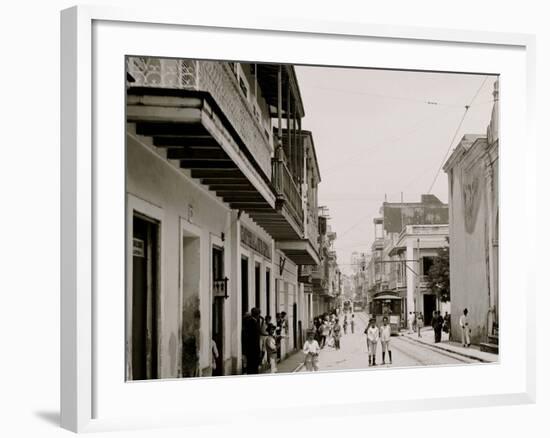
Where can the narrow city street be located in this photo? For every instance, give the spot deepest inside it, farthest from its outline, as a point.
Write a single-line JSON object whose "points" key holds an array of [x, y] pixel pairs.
{"points": [[405, 352]]}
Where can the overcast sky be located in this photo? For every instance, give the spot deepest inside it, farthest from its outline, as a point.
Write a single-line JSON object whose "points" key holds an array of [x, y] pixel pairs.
{"points": [[380, 132]]}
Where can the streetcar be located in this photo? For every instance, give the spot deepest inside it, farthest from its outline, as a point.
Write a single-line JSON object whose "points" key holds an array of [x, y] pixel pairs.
{"points": [[387, 303], [358, 306]]}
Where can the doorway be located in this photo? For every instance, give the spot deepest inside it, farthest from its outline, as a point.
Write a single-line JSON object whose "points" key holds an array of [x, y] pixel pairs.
{"points": [[218, 311], [257, 285], [429, 307], [145, 279], [190, 272], [244, 285], [268, 293]]}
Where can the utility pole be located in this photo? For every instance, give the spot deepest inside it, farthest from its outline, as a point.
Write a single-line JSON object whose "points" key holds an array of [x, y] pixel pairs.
{"points": [[418, 270]]}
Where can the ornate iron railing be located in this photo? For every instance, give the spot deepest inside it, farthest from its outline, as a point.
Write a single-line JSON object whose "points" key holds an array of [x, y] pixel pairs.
{"points": [[162, 73], [218, 79]]}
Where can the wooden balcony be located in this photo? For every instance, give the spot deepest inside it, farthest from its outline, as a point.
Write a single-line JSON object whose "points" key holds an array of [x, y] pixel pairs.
{"points": [[197, 114]]}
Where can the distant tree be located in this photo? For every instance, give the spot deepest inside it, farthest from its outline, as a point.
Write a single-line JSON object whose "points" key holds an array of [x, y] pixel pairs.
{"points": [[438, 276]]}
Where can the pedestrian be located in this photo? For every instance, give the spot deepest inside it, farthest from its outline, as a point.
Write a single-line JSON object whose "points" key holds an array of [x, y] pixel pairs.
{"points": [[327, 329], [352, 323], [271, 348], [438, 326], [447, 324], [345, 325], [330, 338], [385, 334], [465, 330], [311, 350], [264, 323], [411, 321], [284, 324], [373, 335], [251, 340], [419, 323], [319, 337], [336, 333]]}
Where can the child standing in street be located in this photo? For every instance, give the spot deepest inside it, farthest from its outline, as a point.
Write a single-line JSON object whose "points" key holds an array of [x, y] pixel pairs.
{"points": [[271, 348], [352, 323], [385, 334], [373, 335], [311, 350]]}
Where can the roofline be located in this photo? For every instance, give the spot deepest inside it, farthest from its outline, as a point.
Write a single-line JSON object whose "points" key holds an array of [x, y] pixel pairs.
{"points": [[294, 81], [460, 150], [310, 135]]}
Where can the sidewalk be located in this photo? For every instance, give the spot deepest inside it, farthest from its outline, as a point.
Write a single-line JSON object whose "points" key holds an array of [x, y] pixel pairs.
{"points": [[292, 363], [428, 338]]}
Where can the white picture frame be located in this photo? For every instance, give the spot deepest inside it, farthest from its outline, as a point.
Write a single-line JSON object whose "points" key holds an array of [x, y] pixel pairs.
{"points": [[83, 388]]}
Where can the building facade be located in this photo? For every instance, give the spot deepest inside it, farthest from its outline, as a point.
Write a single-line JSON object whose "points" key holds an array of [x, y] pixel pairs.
{"points": [[408, 236], [411, 257], [221, 184], [359, 277], [326, 276], [472, 170]]}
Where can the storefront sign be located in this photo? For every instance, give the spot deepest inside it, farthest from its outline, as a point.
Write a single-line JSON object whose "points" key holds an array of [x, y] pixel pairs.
{"points": [[254, 242]]}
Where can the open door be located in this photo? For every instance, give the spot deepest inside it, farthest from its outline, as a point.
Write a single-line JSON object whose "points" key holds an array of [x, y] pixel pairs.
{"points": [[145, 280]]}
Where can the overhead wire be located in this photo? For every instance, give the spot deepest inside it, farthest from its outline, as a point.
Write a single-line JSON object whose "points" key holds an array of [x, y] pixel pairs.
{"points": [[466, 108], [388, 96], [422, 124]]}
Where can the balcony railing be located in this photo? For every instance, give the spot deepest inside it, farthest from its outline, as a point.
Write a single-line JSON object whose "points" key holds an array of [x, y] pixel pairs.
{"points": [[286, 187], [216, 78], [313, 229], [163, 73], [442, 230]]}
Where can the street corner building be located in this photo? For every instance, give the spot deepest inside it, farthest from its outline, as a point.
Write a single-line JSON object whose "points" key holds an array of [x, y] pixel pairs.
{"points": [[408, 238], [473, 172], [222, 215]]}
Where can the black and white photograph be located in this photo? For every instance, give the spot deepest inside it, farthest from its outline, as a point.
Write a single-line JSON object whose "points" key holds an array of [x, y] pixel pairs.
{"points": [[281, 220], [291, 218]]}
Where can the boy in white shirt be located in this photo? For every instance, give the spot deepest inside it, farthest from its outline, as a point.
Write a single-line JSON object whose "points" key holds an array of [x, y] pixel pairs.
{"points": [[373, 335], [311, 350], [385, 334]]}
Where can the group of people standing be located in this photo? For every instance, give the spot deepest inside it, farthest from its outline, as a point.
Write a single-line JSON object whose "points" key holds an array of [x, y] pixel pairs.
{"points": [[262, 339], [327, 329], [440, 324], [380, 334]]}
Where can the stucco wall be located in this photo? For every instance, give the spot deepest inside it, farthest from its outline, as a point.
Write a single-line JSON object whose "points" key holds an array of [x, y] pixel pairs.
{"points": [[468, 243], [151, 178]]}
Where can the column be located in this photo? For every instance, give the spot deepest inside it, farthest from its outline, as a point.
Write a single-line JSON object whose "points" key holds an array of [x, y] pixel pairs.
{"points": [[411, 278], [233, 271]]}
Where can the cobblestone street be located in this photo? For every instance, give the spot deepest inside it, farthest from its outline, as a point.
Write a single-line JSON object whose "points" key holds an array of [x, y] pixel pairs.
{"points": [[406, 352]]}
